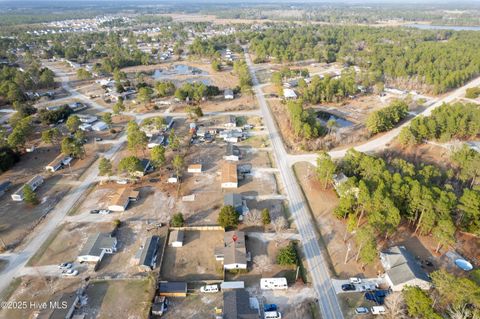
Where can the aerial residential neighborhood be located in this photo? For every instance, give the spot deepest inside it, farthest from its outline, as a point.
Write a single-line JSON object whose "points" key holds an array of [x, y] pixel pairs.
{"points": [[240, 160]]}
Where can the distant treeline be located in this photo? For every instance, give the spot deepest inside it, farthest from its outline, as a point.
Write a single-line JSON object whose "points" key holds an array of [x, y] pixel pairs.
{"points": [[441, 59]]}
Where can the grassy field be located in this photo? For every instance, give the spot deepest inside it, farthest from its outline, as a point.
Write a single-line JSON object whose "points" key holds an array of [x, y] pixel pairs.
{"points": [[121, 298]]}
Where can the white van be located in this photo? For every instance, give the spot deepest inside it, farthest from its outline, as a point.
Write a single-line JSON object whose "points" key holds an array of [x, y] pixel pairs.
{"points": [[377, 310], [273, 283], [272, 315], [209, 288]]}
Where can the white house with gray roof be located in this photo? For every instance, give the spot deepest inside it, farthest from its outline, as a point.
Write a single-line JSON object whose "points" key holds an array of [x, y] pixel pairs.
{"points": [[96, 247], [401, 269]]}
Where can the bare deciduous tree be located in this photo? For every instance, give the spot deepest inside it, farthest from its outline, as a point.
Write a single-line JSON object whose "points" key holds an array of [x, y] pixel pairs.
{"points": [[253, 218], [462, 312], [395, 306], [280, 224], [262, 263]]}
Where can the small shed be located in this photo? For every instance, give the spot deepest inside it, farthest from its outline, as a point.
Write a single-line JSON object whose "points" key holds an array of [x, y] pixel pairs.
{"points": [[195, 168], [176, 238], [172, 289], [230, 285], [173, 179], [228, 94]]}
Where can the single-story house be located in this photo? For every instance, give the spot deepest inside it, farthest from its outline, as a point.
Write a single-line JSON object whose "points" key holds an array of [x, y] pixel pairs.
{"points": [[121, 199], [156, 140], [4, 186], [233, 254], [77, 106], [172, 289], [99, 126], [58, 163], [230, 121], [228, 94], [289, 94], [236, 305], [195, 168], [146, 167], [176, 238], [148, 254], [96, 247], [232, 153], [54, 107], [291, 84], [34, 182], [236, 201], [401, 269], [88, 119], [85, 127], [232, 136], [67, 304], [229, 175]]}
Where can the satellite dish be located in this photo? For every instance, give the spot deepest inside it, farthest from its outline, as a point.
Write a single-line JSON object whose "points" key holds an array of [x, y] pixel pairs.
{"points": [[463, 264]]}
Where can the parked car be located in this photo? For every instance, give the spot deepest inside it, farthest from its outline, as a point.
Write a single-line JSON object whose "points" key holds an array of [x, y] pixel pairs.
{"points": [[209, 288], [65, 266], [94, 211], [377, 310], [98, 139], [348, 287], [104, 211], [377, 296], [122, 181], [361, 310], [70, 272], [355, 280]]}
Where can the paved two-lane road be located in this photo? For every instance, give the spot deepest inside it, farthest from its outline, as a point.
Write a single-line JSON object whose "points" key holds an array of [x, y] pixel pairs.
{"points": [[327, 298]]}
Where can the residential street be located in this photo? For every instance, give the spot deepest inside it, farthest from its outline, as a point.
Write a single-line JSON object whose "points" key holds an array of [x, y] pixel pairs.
{"points": [[327, 298]]}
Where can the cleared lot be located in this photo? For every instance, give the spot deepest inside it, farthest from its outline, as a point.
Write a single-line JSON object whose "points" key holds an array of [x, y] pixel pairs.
{"points": [[194, 261], [119, 298]]}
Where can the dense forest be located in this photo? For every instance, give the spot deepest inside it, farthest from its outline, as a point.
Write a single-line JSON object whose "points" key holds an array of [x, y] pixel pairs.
{"points": [[303, 122], [460, 121], [385, 119], [380, 194], [442, 13], [442, 59]]}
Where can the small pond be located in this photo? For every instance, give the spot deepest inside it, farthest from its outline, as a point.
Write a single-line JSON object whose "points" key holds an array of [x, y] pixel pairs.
{"points": [[324, 117]]}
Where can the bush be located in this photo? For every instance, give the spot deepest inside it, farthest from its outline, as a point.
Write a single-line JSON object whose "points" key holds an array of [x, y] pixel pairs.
{"points": [[29, 195], [177, 220], [287, 255], [472, 93], [228, 217], [116, 223], [266, 217], [386, 118]]}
